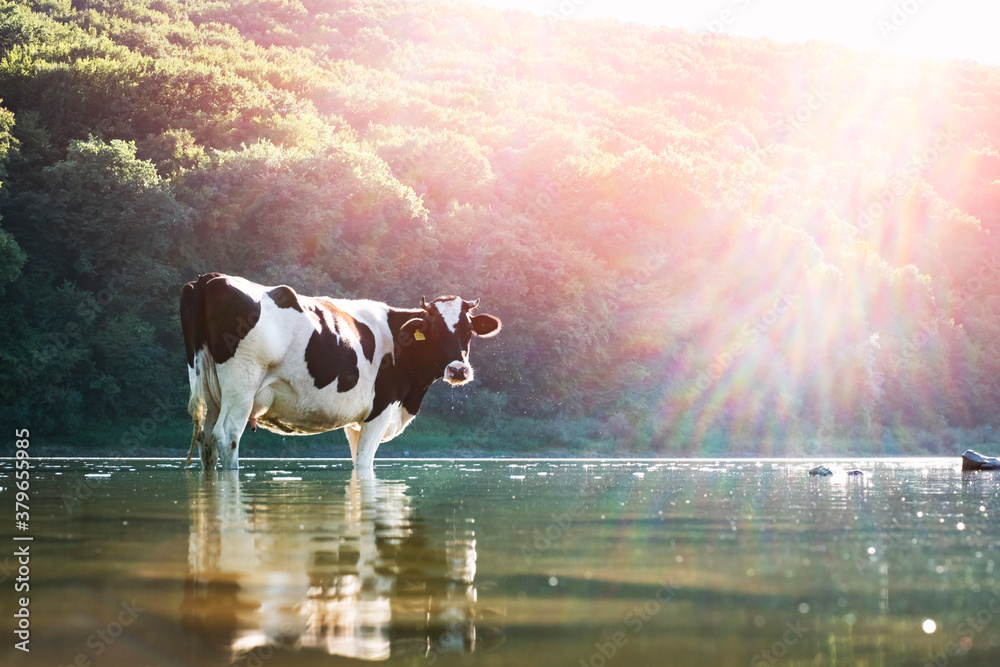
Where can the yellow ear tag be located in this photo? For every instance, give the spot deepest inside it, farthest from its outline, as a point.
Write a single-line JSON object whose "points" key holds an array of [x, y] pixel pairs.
{"points": [[419, 335]]}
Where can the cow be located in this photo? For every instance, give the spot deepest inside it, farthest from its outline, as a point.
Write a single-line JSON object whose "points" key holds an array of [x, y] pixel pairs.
{"points": [[298, 365]]}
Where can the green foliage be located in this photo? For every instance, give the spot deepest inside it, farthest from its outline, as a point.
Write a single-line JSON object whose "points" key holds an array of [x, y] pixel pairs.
{"points": [[12, 258], [81, 317], [696, 245], [19, 26]]}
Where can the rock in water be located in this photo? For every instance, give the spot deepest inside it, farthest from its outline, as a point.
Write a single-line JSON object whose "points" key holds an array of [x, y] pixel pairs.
{"points": [[822, 471], [975, 461], [855, 472]]}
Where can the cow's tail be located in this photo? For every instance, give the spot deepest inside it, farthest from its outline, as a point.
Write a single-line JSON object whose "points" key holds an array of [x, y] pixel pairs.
{"points": [[201, 366], [201, 394]]}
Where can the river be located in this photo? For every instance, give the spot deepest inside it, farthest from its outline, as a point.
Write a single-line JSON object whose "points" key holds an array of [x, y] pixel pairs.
{"points": [[503, 562]]}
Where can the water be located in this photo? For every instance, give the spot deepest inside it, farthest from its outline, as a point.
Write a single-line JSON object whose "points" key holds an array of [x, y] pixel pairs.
{"points": [[138, 562]]}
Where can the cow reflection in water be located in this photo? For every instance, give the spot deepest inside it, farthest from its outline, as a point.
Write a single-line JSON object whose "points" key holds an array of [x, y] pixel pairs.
{"points": [[288, 565]]}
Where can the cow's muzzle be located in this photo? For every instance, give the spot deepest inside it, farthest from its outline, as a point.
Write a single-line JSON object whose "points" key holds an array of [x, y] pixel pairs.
{"points": [[458, 372]]}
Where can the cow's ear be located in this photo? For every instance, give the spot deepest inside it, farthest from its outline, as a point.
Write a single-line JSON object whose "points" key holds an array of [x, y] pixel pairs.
{"points": [[485, 326], [414, 328]]}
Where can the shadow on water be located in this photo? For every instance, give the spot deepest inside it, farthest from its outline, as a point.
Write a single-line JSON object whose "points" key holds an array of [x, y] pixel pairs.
{"points": [[345, 566]]}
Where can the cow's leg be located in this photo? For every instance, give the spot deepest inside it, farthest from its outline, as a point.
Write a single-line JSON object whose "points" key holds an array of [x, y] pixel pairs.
{"points": [[233, 417], [195, 438], [196, 408], [239, 381], [353, 433], [368, 441], [209, 452]]}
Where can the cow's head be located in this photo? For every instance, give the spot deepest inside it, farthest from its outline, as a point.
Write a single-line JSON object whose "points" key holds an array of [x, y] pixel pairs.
{"points": [[446, 329]]}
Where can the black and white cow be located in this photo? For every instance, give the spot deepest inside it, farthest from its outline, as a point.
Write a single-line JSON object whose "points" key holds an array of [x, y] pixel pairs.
{"points": [[299, 365]]}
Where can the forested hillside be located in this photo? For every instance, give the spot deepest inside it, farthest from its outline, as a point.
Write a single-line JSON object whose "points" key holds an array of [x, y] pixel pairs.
{"points": [[698, 244]]}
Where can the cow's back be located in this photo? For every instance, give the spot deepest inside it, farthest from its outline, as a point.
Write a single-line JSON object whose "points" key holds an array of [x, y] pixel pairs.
{"points": [[304, 364]]}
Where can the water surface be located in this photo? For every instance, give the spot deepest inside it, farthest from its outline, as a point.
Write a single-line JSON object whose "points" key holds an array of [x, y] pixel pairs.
{"points": [[505, 562]]}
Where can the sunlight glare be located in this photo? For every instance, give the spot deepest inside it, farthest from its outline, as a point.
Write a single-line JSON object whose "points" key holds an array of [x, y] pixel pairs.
{"points": [[958, 29]]}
